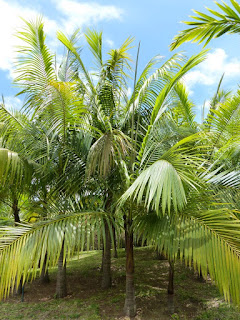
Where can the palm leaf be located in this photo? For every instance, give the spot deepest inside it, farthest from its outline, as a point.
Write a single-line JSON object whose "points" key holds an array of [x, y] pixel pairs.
{"points": [[206, 238], [23, 247], [163, 184], [34, 67], [204, 27], [161, 101]]}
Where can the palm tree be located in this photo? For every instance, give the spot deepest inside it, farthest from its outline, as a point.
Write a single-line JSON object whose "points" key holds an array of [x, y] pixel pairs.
{"points": [[165, 176], [170, 181], [152, 93], [205, 27]]}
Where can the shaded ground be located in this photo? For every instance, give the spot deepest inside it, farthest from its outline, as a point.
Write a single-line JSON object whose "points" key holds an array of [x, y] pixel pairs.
{"points": [[193, 299]]}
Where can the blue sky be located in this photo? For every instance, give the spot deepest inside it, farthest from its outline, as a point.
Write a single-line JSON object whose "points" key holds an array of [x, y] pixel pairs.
{"points": [[153, 22]]}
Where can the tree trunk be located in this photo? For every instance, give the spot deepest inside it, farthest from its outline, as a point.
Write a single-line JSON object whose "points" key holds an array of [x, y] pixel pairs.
{"points": [[125, 231], [101, 269], [106, 259], [115, 242], [171, 278], [44, 277], [200, 277], [18, 288], [15, 209], [61, 287], [130, 304], [171, 307]]}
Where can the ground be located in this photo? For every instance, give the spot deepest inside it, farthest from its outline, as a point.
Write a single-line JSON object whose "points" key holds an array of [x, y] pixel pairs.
{"points": [[193, 298]]}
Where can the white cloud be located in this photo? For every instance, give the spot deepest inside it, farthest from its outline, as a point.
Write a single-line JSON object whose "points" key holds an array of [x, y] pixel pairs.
{"points": [[209, 72], [85, 13], [69, 15], [13, 103], [10, 22], [110, 43]]}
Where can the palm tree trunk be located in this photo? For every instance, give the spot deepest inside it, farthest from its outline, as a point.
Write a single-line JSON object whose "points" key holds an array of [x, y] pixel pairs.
{"points": [[44, 277], [200, 277], [171, 278], [125, 230], [171, 307], [106, 259], [115, 242], [15, 210], [61, 287], [130, 305]]}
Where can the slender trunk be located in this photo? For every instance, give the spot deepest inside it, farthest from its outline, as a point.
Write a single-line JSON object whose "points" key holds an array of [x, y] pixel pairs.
{"points": [[171, 307], [106, 259], [44, 277], [15, 210], [125, 231], [61, 287], [115, 242], [171, 278], [101, 269], [130, 305], [200, 277], [18, 288]]}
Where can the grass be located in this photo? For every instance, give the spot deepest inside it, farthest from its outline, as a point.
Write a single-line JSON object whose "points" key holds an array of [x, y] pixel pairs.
{"points": [[193, 299]]}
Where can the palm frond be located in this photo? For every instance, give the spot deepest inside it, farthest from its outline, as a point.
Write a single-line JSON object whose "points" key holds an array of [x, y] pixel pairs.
{"points": [[68, 71], [35, 64], [205, 27], [206, 238], [109, 149], [11, 166], [163, 184], [184, 105], [94, 40], [70, 45], [28, 245], [161, 101]]}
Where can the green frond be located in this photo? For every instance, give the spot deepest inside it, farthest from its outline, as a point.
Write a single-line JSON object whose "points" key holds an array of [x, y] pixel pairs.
{"points": [[163, 184], [118, 63], [106, 152], [184, 105], [28, 245], [35, 64], [68, 70], [207, 239], [11, 166], [62, 107], [204, 27], [224, 119], [151, 83], [75, 51], [94, 40], [10, 122], [161, 101]]}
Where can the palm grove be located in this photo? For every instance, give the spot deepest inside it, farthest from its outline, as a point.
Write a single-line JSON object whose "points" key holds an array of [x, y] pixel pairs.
{"points": [[84, 165]]}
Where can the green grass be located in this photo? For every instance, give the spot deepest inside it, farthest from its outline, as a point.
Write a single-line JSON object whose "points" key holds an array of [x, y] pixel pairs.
{"points": [[193, 299]]}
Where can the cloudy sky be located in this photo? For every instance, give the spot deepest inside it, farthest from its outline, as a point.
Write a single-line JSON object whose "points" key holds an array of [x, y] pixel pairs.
{"points": [[153, 22]]}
